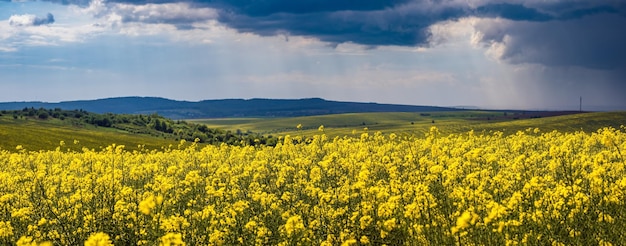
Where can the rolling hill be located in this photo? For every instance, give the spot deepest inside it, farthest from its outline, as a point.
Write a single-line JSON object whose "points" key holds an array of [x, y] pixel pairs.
{"points": [[452, 122], [44, 129], [40, 129], [223, 108]]}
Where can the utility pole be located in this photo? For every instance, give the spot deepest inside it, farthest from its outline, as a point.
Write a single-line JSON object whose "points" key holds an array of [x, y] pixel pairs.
{"points": [[580, 107]]}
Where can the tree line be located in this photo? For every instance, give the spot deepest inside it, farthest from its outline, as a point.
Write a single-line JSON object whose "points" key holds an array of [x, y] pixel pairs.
{"points": [[152, 124]]}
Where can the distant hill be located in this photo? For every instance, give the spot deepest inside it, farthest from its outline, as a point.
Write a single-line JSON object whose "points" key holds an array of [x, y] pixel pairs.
{"points": [[222, 108]]}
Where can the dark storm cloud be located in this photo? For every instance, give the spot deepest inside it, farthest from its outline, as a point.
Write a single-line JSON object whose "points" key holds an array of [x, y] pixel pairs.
{"points": [[71, 2], [269, 7], [404, 25], [579, 13], [576, 9], [553, 33], [374, 22], [595, 41], [511, 12]]}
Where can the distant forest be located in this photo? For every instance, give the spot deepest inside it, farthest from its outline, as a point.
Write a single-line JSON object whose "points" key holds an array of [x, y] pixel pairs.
{"points": [[153, 124], [222, 108]]}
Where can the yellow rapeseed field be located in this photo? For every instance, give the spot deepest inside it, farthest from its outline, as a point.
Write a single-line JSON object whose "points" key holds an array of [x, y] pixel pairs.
{"points": [[529, 188]]}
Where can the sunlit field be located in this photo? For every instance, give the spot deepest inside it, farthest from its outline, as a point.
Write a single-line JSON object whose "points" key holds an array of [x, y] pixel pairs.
{"points": [[454, 122], [528, 188]]}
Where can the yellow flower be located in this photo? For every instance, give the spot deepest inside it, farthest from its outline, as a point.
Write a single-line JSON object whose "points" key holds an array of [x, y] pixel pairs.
{"points": [[622, 183], [28, 241], [6, 230], [147, 205], [389, 224], [216, 238], [363, 190], [172, 239], [462, 222], [174, 223], [436, 169], [294, 225], [349, 242], [251, 225], [365, 221], [364, 240], [99, 239], [42, 221]]}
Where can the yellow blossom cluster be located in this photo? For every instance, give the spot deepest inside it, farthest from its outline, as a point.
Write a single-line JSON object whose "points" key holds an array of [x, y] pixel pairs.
{"points": [[486, 189]]}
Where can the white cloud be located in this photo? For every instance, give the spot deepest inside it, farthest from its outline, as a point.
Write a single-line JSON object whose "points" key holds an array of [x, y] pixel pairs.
{"points": [[164, 13], [14, 38], [30, 20], [178, 21], [452, 32], [7, 49], [114, 14], [29, 30], [22, 20]]}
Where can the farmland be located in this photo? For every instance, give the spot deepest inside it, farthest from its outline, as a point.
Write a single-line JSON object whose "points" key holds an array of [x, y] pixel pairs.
{"points": [[461, 180], [43, 129], [420, 123], [46, 135], [471, 188]]}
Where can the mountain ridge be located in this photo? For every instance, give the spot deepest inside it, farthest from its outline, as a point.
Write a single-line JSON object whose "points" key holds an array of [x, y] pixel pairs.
{"points": [[222, 108]]}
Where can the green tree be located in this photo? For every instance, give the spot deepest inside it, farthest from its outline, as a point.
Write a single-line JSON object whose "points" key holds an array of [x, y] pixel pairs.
{"points": [[43, 115]]}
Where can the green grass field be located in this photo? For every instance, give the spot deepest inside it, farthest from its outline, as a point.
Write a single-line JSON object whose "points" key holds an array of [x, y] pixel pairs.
{"points": [[419, 123], [35, 134]]}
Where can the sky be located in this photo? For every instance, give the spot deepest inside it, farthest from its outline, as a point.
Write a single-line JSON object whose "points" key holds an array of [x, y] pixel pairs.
{"points": [[492, 54]]}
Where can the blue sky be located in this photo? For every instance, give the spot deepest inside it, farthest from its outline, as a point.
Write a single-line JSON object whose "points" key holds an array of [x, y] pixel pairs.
{"points": [[533, 54]]}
